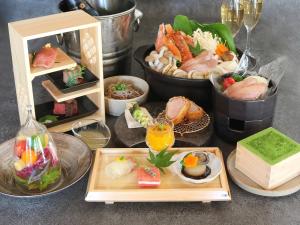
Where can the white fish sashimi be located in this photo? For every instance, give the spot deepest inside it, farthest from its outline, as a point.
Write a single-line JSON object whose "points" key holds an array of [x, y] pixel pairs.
{"points": [[118, 169]]}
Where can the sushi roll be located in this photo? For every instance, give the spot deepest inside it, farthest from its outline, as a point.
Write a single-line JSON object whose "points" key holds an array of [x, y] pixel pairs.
{"points": [[194, 166]]}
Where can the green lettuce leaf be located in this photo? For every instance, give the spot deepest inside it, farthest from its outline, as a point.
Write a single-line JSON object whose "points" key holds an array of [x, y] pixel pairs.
{"points": [[49, 178], [222, 31], [184, 24]]}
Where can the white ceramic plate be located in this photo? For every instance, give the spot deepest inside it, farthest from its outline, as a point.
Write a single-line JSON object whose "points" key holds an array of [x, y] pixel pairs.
{"points": [[214, 164]]}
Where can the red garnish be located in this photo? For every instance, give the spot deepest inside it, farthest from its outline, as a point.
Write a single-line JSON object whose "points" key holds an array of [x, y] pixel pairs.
{"points": [[228, 82]]}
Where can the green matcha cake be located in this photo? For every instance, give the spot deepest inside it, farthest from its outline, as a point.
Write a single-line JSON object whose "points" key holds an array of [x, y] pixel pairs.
{"points": [[269, 158]]}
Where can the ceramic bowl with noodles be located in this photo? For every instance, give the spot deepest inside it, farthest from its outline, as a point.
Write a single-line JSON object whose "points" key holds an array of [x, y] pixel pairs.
{"points": [[120, 90]]}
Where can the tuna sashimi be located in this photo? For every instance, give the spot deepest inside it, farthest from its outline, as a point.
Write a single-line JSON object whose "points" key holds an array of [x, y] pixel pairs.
{"points": [[148, 176], [45, 57], [177, 108]]}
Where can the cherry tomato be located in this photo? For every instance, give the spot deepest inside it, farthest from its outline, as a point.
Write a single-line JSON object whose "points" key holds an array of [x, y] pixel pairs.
{"points": [[228, 82], [20, 147]]}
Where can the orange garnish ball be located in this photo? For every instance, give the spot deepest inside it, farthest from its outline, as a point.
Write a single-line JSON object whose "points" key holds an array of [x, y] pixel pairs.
{"points": [[190, 161], [29, 157], [221, 49]]}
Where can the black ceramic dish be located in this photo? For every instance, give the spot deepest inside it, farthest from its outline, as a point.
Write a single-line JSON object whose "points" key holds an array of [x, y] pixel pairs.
{"points": [[85, 108], [57, 79], [236, 119], [198, 90]]}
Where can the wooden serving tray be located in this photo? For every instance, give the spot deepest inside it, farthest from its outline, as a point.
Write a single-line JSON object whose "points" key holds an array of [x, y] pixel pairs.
{"points": [[172, 189]]}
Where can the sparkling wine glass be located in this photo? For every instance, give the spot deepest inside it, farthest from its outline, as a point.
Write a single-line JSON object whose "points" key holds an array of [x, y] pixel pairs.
{"points": [[252, 12], [232, 14]]}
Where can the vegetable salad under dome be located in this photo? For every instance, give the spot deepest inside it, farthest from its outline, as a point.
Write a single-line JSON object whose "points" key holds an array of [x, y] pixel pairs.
{"points": [[36, 163]]}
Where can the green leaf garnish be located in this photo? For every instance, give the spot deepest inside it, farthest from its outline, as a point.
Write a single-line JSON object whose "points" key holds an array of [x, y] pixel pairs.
{"points": [[74, 75], [48, 119], [120, 87], [161, 126], [178, 63], [162, 159], [184, 24], [237, 77], [222, 31], [196, 50]]}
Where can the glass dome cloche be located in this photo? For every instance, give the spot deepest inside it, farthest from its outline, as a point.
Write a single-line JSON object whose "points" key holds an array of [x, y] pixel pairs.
{"points": [[36, 164]]}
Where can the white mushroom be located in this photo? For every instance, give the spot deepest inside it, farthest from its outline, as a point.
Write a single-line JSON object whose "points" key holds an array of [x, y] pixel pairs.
{"points": [[149, 58], [151, 65], [172, 70], [166, 69], [156, 62], [197, 75], [162, 50], [164, 60], [159, 67], [180, 73]]}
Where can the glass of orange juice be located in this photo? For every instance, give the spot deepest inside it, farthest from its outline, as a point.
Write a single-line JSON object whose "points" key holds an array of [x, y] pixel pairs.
{"points": [[160, 135]]}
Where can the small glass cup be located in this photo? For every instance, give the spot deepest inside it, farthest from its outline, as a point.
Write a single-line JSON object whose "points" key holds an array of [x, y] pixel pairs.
{"points": [[94, 133], [160, 135]]}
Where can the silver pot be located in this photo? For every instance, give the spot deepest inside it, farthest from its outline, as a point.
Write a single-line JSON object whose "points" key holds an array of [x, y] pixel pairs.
{"points": [[117, 35]]}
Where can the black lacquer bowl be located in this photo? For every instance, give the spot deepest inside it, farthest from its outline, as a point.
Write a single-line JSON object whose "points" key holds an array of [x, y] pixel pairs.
{"points": [[238, 119], [198, 90]]}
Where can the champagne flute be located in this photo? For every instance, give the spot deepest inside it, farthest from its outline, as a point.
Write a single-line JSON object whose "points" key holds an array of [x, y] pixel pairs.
{"points": [[252, 12], [232, 14]]}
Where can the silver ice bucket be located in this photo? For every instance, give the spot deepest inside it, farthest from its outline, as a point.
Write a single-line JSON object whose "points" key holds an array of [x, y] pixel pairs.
{"points": [[119, 20]]}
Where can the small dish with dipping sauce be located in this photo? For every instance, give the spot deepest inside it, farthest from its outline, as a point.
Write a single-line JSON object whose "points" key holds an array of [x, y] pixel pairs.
{"points": [[120, 90], [94, 133]]}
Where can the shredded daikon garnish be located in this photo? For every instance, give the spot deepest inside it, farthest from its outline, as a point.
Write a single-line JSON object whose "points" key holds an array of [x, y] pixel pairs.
{"points": [[206, 40]]}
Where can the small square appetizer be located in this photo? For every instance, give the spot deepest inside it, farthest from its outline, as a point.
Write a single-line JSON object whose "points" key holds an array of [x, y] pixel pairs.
{"points": [[74, 76], [269, 158], [148, 176], [67, 108]]}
